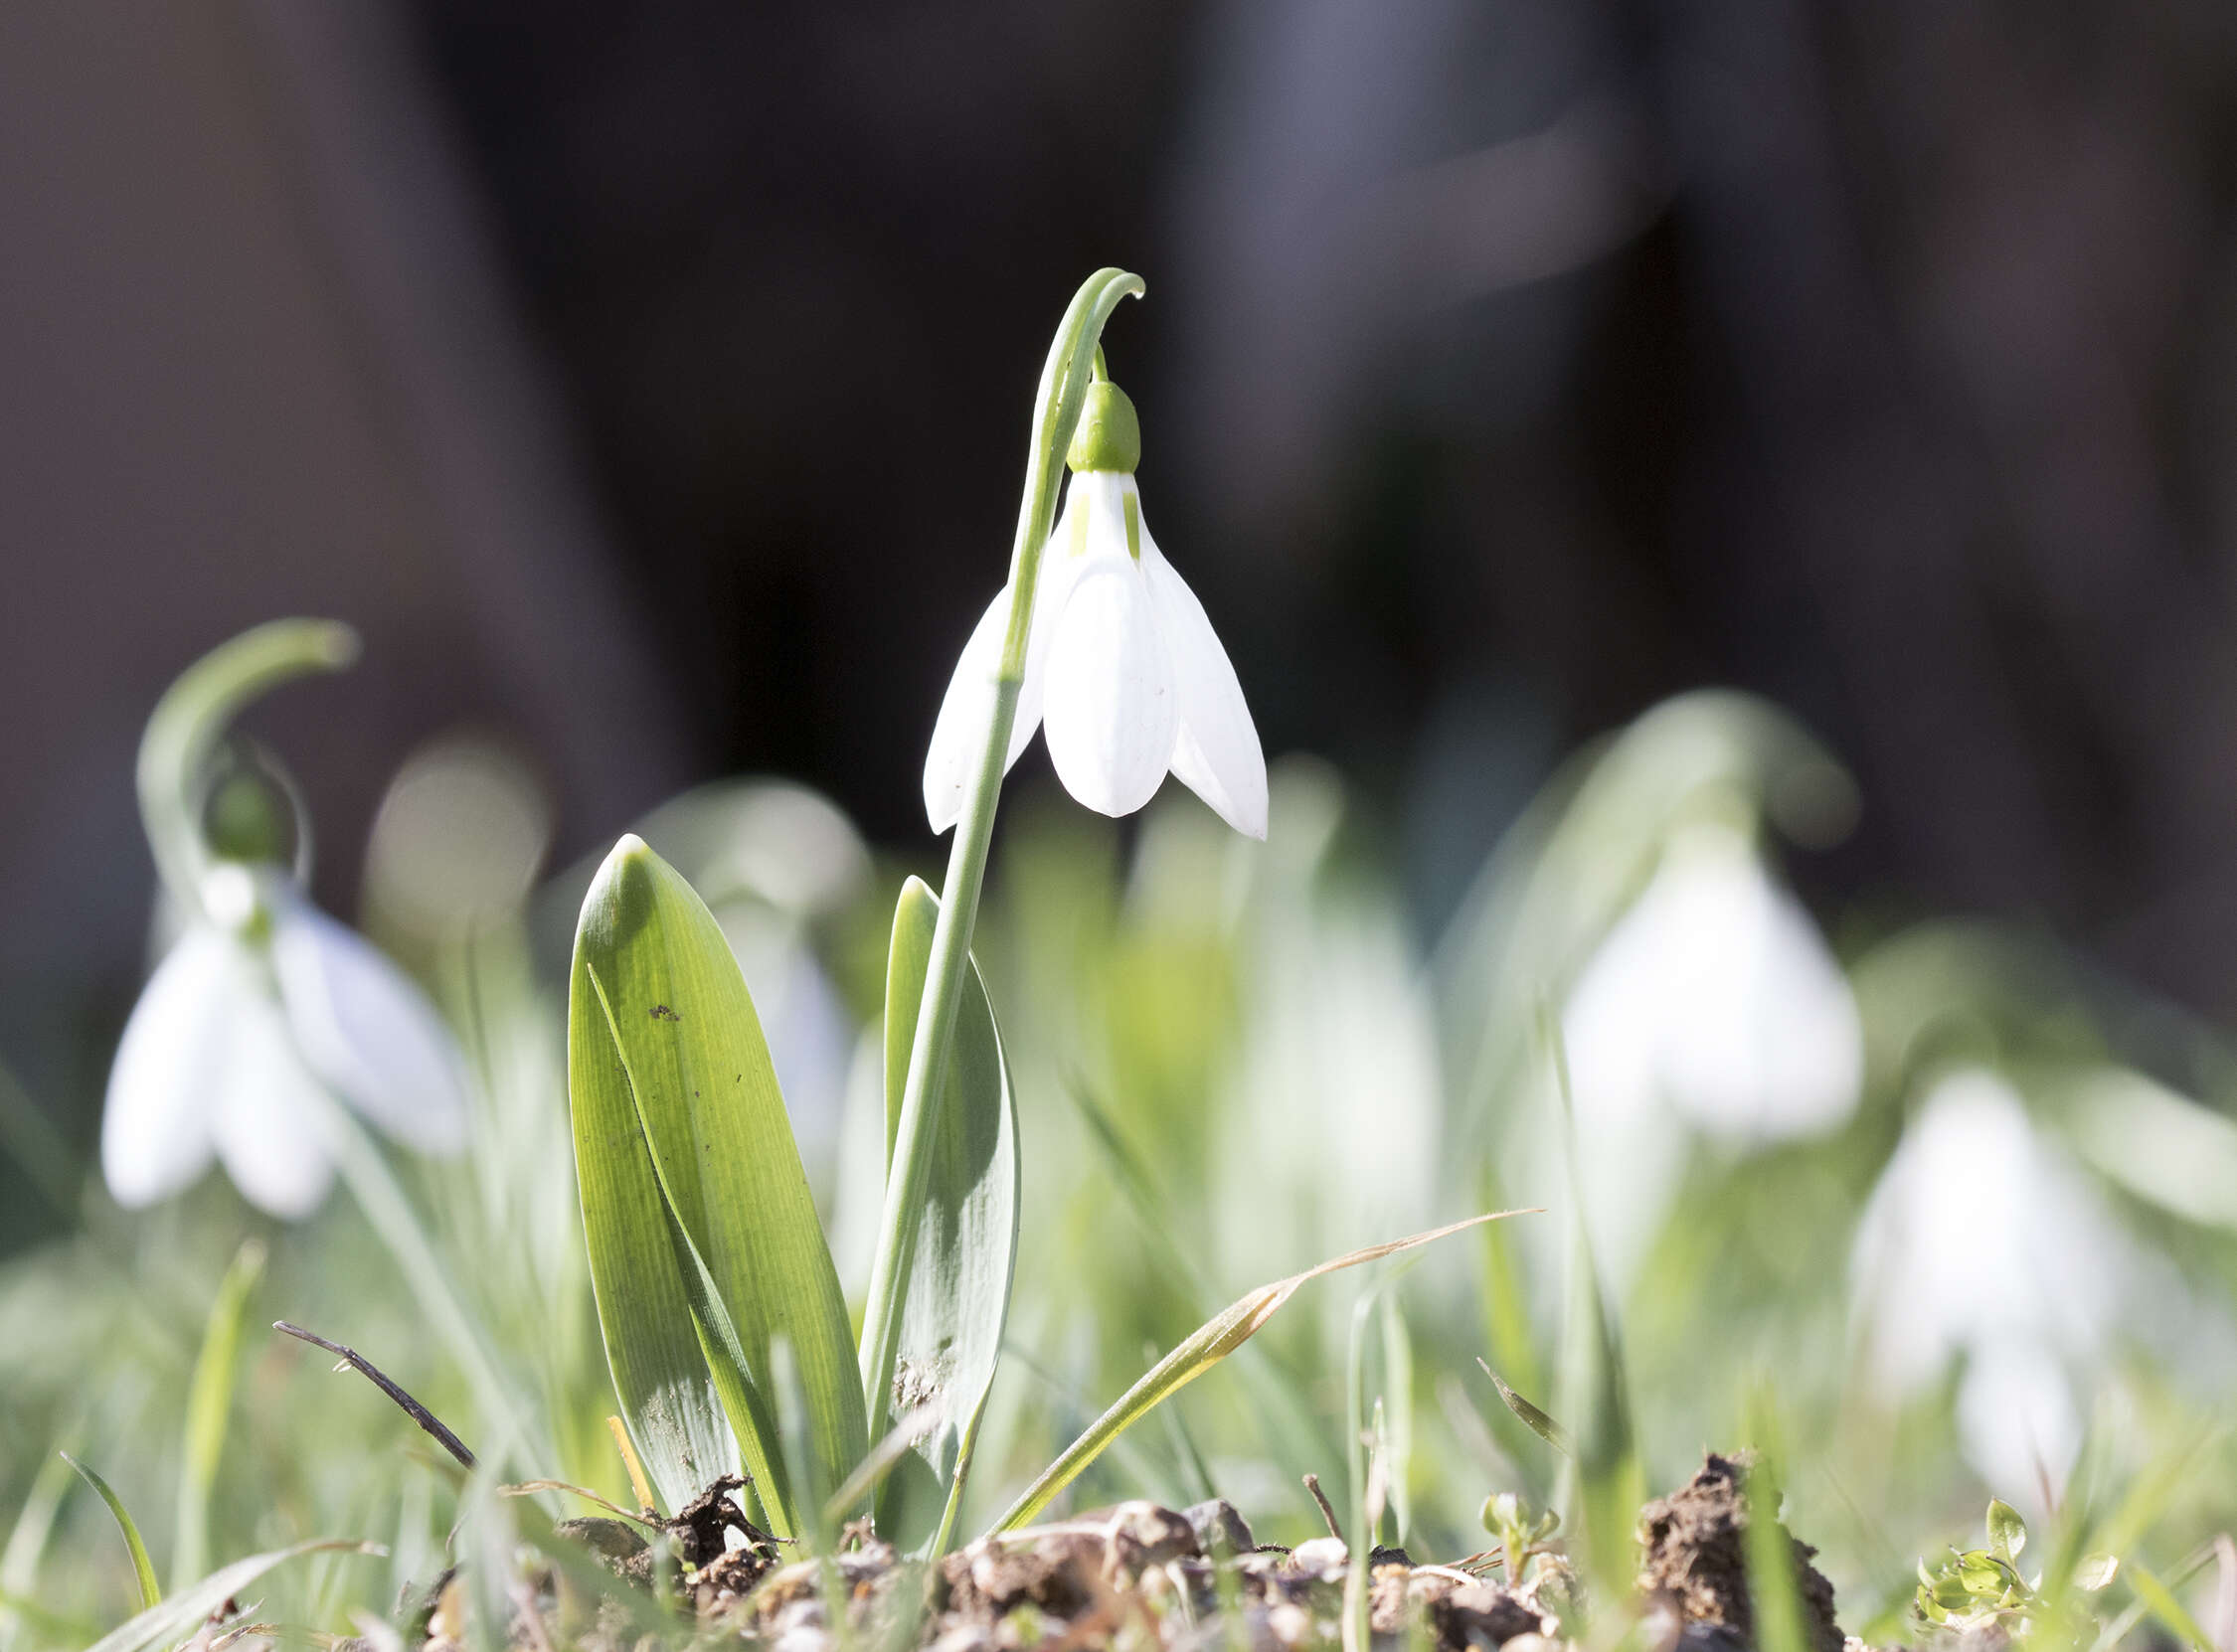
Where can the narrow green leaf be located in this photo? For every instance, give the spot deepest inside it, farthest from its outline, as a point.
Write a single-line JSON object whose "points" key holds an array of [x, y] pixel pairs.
{"points": [[209, 1406], [1769, 1553], [1531, 1418], [1608, 1481], [27, 1543], [2161, 1602], [179, 1615], [958, 1296], [661, 1030], [1398, 1400], [151, 1592], [1201, 1349]]}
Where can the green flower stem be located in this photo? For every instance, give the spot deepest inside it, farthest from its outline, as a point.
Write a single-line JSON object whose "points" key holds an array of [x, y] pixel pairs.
{"points": [[1056, 415], [191, 719], [183, 733]]}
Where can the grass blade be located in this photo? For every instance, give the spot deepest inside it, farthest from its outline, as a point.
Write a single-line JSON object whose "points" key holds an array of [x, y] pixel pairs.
{"points": [[2161, 1602], [1607, 1479], [26, 1545], [1531, 1416], [958, 1297], [662, 1039], [143, 1568], [1773, 1585], [1204, 1348], [1398, 1400], [209, 1408]]}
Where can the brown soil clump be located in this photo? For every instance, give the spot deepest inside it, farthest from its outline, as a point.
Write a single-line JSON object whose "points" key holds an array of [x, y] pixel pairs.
{"points": [[1695, 1565], [1138, 1576]]}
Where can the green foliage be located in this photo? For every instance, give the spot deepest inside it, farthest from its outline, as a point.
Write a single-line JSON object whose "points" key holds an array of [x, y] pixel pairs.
{"points": [[143, 1568], [1520, 1531], [958, 1296], [693, 1192], [167, 1621], [1209, 1344], [1977, 1587], [209, 1406]]}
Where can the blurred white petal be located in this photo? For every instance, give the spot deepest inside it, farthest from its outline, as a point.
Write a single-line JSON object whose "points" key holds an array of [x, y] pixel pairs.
{"points": [[369, 1031], [2018, 1422], [1979, 1234], [163, 1084], [952, 758], [266, 1118], [1716, 995], [1216, 754]]}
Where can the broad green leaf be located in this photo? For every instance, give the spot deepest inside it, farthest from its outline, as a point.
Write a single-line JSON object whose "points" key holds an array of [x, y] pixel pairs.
{"points": [[1201, 1349], [209, 1406], [958, 1296], [652, 1350], [661, 1029], [178, 1616], [143, 1568]]}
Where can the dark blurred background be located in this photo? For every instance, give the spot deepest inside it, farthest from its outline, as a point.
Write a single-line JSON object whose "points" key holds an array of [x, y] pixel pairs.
{"points": [[650, 385]]}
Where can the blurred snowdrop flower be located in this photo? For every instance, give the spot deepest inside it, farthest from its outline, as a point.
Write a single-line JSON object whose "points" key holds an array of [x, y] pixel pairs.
{"points": [[1121, 663], [1985, 1240], [1713, 1005], [260, 1002], [1716, 995]]}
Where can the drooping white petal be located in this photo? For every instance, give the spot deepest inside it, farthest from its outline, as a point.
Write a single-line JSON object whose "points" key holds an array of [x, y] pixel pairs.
{"points": [[1216, 749], [369, 1031], [266, 1119], [951, 760], [1716, 995], [1112, 713], [163, 1085], [1979, 1234]]}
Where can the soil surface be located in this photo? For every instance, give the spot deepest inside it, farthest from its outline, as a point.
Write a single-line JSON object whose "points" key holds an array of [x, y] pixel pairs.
{"points": [[1133, 1577]]}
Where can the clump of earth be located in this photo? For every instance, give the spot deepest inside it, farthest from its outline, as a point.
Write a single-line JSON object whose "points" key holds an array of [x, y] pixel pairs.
{"points": [[1136, 1575]]}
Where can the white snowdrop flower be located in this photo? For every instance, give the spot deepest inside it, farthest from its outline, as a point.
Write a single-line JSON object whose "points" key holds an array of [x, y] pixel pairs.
{"points": [[1714, 1006], [1121, 663], [255, 1007], [1984, 1241]]}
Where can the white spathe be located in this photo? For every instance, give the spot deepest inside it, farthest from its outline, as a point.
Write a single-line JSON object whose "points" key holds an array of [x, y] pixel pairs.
{"points": [[233, 1036], [1123, 667]]}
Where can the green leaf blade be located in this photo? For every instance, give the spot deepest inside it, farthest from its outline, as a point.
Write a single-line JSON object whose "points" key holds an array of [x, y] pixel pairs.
{"points": [[143, 1568], [171, 1619], [1202, 1349], [958, 1298], [660, 1375], [209, 1408], [666, 1023]]}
